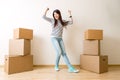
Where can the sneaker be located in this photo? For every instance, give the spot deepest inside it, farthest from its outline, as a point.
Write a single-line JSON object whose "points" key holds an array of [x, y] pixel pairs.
{"points": [[73, 70], [57, 68]]}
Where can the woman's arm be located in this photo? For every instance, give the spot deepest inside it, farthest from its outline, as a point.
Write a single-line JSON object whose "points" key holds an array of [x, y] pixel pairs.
{"points": [[71, 19], [46, 11], [45, 17]]}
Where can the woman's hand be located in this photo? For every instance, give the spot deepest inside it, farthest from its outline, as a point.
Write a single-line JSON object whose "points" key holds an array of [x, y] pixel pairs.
{"points": [[69, 11], [46, 11]]}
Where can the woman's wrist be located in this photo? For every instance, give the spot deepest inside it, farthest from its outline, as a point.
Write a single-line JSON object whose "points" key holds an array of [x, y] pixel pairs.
{"points": [[70, 16]]}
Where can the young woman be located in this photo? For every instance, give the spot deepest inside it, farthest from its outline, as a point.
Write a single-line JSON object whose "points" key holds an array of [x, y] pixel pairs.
{"points": [[56, 37]]}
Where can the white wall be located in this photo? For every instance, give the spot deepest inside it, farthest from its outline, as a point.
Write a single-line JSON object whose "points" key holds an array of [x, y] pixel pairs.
{"points": [[97, 14]]}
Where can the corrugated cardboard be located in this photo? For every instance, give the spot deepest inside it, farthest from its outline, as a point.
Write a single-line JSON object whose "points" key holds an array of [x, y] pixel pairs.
{"points": [[91, 47], [98, 64], [22, 33], [19, 47], [93, 34], [16, 64]]}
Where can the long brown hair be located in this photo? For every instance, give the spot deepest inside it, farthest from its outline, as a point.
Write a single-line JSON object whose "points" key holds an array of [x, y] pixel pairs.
{"points": [[60, 18]]}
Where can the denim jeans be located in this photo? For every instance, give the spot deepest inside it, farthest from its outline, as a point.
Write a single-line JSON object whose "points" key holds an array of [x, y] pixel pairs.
{"points": [[60, 50]]}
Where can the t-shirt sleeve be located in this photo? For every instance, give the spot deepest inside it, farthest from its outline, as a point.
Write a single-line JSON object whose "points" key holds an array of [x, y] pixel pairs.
{"points": [[68, 22], [47, 18]]}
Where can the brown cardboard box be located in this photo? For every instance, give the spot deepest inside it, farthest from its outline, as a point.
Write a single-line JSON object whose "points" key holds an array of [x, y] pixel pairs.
{"points": [[22, 33], [98, 64], [19, 47], [94, 34], [91, 47], [16, 64]]}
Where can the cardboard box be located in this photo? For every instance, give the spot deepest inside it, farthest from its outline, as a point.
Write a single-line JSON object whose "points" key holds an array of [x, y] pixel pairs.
{"points": [[22, 33], [93, 34], [16, 64], [98, 64], [19, 47], [91, 47]]}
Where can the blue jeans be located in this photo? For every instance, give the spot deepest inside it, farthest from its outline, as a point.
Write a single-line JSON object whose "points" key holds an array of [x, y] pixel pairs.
{"points": [[60, 50]]}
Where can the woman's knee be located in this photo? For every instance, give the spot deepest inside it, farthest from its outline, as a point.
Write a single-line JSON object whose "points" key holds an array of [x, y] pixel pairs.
{"points": [[63, 54], [58, 55]]}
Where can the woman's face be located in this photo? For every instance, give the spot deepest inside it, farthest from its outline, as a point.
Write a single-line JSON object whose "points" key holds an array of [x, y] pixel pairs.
{"points": [[56, 15]]}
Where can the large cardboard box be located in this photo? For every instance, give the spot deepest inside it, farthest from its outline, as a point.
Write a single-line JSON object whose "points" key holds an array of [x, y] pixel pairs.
{"points": [[93, 34], [16, 64], [22, 33], [91, 47], [19, 47], [98, 64]]}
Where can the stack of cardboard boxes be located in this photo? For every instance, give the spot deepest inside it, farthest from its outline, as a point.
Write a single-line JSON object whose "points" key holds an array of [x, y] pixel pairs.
{"points": [[92, 59], [19, 58]]}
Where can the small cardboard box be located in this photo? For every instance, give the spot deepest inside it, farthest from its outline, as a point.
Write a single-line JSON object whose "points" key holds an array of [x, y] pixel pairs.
{"points": [[16, 64], [19, 47], [91, 47], [22, 33], [98, 64], [93, 34]]}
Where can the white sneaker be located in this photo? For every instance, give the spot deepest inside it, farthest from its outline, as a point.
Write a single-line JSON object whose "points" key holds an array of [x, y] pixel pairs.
{"points": [[73, 70], [57, 68]]}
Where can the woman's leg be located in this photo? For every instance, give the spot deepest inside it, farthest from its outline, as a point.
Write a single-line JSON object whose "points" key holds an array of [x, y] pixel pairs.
{"points": [[71, 68], [56, 45], [64, 54]]}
